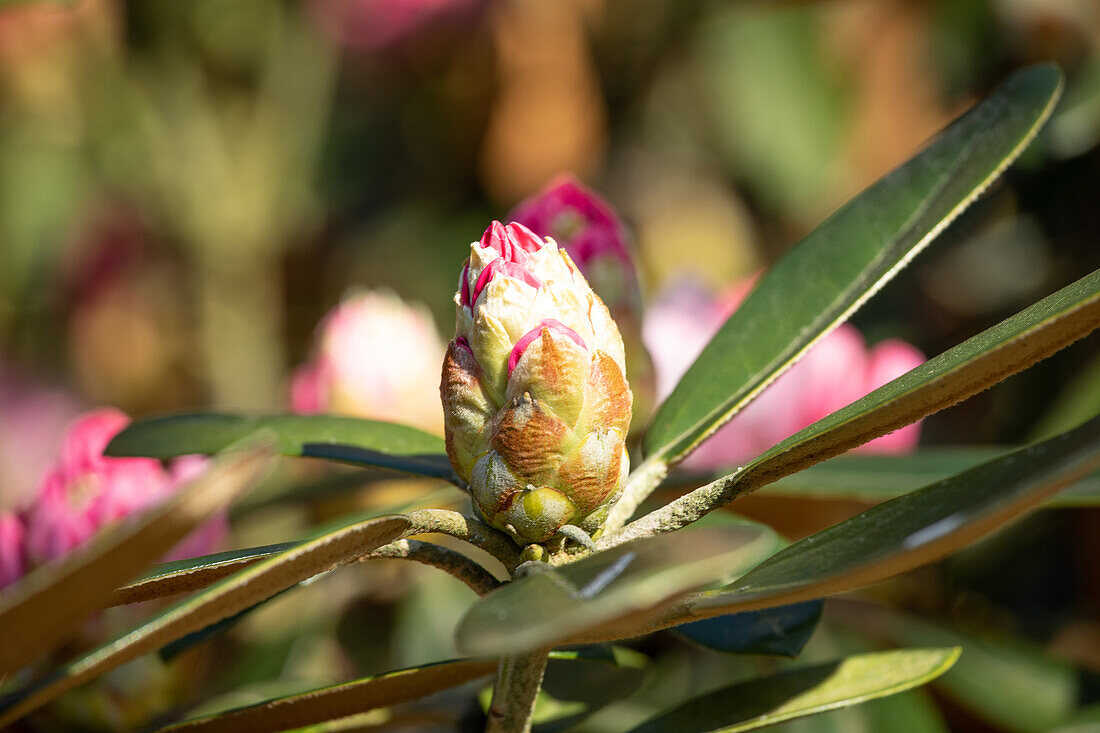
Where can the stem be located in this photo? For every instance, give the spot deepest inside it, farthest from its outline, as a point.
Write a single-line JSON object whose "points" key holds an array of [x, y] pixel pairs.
{"points": [[677, 514], [480, 580], [639, 485], [468, 529], [514, 692]]}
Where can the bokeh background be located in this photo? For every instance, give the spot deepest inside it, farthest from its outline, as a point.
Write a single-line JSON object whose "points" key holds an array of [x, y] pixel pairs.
{"points": [[188, 186]]}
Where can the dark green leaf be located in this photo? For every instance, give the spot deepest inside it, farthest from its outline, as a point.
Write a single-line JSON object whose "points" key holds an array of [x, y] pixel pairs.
{"points": [[346, 439], [848, 258], [916, 528], [805, 691], [781, 631], [553, 603]]}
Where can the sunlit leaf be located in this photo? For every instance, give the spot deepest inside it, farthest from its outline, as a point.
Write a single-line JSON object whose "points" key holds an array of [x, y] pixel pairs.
{"points": [[345, 439], [339, 701], [781, 631], [553, 603], [805, 691], [46, 606], [228, 597], [876, 477], [848, 258]]}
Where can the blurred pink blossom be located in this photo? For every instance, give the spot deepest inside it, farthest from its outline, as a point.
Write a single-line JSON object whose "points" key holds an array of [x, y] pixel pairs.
{"points": [[581, 221], [836, 371], [11, 548], [376, 357], [85, 490]]}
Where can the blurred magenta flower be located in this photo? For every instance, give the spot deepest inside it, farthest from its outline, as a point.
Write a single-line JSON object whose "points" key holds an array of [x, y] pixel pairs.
{"points": [[590, 231], [11, 548], [586, 226], [836, 371], [377, 357], [84, 490], [376, 24]]}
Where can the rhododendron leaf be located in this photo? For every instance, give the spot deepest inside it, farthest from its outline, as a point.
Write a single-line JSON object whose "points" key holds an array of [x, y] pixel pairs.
{"points": [[796, 693], [226, 598], [551, 604], [839, 265], [979, 362], [915, 529], [345, 439], [49, 604], [781, 631], [876, 477], [343, 700]]}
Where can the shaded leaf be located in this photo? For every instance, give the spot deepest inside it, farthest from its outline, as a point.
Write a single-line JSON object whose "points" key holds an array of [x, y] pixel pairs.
{"points": [[805, 691], [44, 608], [781, 631], [839, 265], [346, 439], [553, 603], [339, 701], [916, 528], [228, 597]]}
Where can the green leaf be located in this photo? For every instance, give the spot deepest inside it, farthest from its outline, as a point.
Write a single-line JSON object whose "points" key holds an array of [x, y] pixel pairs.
{"points": [[585, 680], [340, 701], [913, 529], [1007, 682], [228, 597], [550, 604], [781, 631], [40, 612], [805, 691], [876, 477], [848, 258], [345, 439]]}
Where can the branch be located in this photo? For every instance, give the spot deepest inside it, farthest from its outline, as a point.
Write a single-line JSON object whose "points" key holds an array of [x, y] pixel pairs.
{"points": [[480, 580], [514, 692], [468, 529], [639, 485]]}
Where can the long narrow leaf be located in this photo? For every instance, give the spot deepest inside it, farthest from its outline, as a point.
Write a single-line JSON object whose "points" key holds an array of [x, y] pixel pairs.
{"points": [[228, 597], [340, 701], [345, 439], [805, 691], [848, 258], [41, 611]]}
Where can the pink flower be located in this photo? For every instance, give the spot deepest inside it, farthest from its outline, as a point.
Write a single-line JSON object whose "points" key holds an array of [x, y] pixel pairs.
{"points": [[375, 357], [590, 231], [85, 490], [12, 562], [835, 372]]}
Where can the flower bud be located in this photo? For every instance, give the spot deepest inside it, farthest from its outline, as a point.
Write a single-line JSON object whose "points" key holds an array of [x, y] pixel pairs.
{"points": [[535, 398], [376, 357], [11, 548], [586, 226]]}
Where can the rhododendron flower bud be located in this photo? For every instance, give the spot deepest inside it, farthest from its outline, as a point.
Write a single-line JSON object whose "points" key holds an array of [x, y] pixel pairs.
{"points": [[588, 228], [376, 357], [534, 391], [12, 563], [85, 490], [838, 370]]}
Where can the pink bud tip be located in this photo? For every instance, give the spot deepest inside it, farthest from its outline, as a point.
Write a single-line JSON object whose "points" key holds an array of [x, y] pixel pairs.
{"points": [[546, 323], [524, 238], [511, 269], [462, 343], [464, 290]]}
